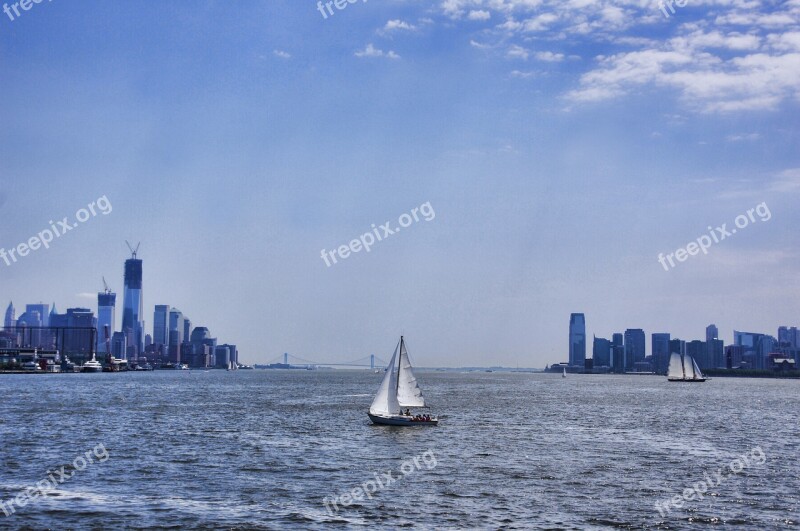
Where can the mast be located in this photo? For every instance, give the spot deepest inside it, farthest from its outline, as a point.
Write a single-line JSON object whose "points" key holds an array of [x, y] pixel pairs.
{"points": [[399, 364]]}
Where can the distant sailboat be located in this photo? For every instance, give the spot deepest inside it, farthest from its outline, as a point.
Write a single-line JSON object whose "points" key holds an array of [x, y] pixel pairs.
{"points": [[564, 374], [398, 390], [684, 369]]}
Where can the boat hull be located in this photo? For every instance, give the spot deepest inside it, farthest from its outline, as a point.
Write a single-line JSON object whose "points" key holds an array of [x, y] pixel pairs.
{"points": [[697, 380], [396, 420]]}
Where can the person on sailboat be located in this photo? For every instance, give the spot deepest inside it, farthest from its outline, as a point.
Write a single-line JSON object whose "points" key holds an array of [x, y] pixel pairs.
{"points": [[408, 412]]}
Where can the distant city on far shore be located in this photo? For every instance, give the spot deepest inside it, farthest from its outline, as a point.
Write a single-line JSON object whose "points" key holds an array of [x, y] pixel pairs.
{"points": [[626, 352]]}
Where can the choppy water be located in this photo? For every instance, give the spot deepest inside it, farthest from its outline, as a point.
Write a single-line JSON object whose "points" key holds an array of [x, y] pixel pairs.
{"points": [[261, 449]]}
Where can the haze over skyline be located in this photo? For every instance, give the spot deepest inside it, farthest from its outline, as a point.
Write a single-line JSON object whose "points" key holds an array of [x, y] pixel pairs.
{"points": [[562, 145]]}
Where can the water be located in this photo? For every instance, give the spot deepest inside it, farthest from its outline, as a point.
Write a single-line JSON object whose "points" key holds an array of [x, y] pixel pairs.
{"points": [[261, 449]]}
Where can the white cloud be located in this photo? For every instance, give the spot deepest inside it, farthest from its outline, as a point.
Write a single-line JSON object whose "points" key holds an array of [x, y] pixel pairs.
{"points": [[398, 25], [517, 52], [549, 57], [371, 51], [479, 14], [282, 54]]}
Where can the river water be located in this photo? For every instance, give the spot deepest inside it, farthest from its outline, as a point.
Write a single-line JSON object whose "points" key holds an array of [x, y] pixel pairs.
{"points": [[268, 449]]}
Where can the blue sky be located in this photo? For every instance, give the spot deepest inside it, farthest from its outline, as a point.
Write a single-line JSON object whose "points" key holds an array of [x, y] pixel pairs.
{"points": [[562, 144]]}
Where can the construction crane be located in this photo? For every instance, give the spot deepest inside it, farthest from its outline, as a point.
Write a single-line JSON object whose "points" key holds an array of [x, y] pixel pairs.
{"points": [[133, 251], [105, 285]]}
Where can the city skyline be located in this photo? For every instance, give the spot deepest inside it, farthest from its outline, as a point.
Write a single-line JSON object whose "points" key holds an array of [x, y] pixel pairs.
{"points": [[559, 168]]}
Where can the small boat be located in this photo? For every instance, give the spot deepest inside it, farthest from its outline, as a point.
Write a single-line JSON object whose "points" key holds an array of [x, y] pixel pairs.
{"points": [[684, 369], [92, 366], [564, 374], [398, 390], [31, 366]]}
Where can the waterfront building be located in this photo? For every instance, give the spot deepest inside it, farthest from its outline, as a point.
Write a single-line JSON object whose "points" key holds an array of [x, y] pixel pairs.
{"points": [[106, 318], [601, 352], [161, 325], [752, 344], [79, 344], [11, 316], [634, 347], [712, 332], [222, 357], [660, 352], [789, 337], [119, 345], [133, 305], [618, 353], [176, 322], [697, 350], [577, 340]]}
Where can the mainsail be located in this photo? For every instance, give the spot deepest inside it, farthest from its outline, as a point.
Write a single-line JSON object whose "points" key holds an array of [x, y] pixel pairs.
{"points": [[697, 374], [675, 367], [689, 366], [385, 402], [408, 392]]}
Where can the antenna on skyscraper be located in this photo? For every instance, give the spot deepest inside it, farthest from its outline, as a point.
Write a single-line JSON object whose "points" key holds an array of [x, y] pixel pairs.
{"points": [[133, 251]]}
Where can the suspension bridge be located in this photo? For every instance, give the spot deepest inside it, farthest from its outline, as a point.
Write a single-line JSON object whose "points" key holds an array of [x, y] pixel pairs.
{"points": [[290, 360]]}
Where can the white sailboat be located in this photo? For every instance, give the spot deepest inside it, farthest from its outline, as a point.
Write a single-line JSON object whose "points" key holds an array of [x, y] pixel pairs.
{"points": [[564, 374], [684, 369], [398, 390]]}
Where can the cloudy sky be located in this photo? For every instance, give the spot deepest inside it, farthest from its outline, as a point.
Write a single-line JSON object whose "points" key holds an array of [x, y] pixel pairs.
{"points": [[561, 144]]}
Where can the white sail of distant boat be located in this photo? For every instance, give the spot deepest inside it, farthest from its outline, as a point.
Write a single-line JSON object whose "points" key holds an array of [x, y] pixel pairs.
{"points": [[408, 392], [688, 367], [697, 374], [564, 374], [684, 369], [675, 371], [385, 402], [399, 389]]}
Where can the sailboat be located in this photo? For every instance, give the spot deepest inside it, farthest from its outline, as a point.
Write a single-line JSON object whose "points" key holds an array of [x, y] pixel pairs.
{"points": [[564, 374], [684, 369], [398, 390]]}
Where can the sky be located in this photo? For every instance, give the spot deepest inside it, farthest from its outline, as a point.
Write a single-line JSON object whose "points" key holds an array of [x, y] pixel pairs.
{"points": [[561, 147]]}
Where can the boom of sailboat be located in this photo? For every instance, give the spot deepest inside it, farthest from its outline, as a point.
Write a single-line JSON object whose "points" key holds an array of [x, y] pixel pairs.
{"points": [[399, 390]]}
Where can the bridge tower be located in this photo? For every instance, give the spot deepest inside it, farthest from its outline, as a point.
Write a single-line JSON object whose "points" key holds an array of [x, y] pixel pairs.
{"points": [[372, 361], [286, 358]]}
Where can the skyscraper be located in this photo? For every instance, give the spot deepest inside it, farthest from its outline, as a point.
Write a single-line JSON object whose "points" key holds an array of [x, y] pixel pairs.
{"points": [[42, 309], [601, 352], [176, 322], [11, 316], [618, 353], [78, 344], [634, 346], [660, 351], [712, 332], [577, 340], [106, 317], [161, 325], [133, 304]]}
